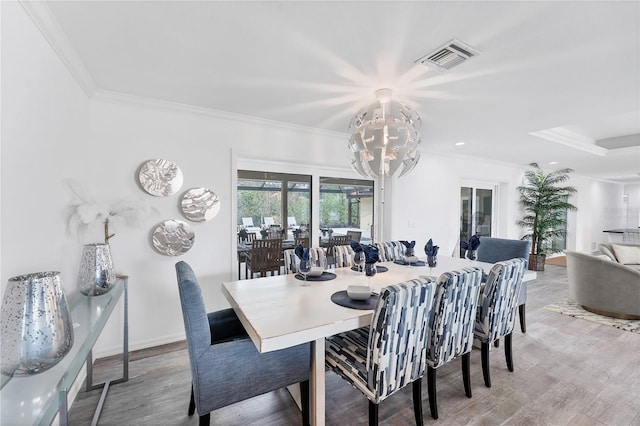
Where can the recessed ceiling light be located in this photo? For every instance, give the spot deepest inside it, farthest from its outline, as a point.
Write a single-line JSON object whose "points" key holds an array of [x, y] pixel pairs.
{"points": [[459, 143], [553, 162]]}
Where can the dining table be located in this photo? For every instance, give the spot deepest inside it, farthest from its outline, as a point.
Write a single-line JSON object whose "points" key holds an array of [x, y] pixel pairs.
{"points": [[279, 312]]}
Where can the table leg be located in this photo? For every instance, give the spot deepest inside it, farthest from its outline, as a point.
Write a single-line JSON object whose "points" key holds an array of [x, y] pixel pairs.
{"points": [[317, 382]]}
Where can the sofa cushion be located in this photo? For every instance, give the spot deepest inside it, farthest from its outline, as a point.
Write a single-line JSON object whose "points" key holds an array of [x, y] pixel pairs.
{"points": [[605, 257], [627, 255], [605, 250]]}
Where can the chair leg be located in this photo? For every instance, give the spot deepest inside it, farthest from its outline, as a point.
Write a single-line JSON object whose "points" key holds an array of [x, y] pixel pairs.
{"points": [[523, 318], [431, 385], [466, 373], [192, 403], [304, 395], [417, 401], [205, 420], [485, 364], [508, 352], [373, 414]]}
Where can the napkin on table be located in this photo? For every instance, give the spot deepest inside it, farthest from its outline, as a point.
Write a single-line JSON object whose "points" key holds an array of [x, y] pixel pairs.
{"points": [[408, 244], [301, 252], [430, 249]]}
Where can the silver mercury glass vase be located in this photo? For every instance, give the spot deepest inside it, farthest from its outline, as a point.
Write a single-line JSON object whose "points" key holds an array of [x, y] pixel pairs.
{"points": [[96, 275], [35, 328]]}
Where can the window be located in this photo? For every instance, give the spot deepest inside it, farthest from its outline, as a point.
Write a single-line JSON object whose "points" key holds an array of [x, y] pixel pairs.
{"points": [[267, 200], [346, 205]]}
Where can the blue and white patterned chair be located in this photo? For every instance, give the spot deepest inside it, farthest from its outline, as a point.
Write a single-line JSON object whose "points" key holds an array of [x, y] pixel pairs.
{"points": [[492, 250], [380, 359], [451, 326], [497, 308], [343, 256], [292, 261], [389, 251]]}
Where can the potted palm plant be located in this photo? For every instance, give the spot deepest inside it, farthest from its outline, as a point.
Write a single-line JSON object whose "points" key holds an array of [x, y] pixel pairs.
{"points": [[545, 202]]}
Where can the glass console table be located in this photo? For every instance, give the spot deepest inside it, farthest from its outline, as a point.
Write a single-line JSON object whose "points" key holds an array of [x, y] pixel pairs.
{"points": [[37, 399]]}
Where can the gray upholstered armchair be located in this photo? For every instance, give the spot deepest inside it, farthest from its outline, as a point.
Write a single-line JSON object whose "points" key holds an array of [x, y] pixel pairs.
{"points": [[492, 250], [225, 365]]}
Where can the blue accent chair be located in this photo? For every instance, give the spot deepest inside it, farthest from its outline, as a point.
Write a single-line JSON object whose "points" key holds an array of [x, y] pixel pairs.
{"points": [[451, 323], [492, 250], [226, 367], [382, 358], [497, 308]]}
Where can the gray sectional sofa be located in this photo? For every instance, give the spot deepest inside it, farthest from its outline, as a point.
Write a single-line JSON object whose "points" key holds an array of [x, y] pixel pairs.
{"points": [[609, 250], [604, 286]]}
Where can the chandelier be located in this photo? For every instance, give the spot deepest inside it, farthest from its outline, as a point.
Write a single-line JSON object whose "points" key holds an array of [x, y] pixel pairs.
{"points": [[385, 135]]}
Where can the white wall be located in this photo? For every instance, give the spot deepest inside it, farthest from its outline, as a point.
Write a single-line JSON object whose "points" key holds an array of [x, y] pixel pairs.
{"points": [[45, 131], [600, 207], [632, 191]]}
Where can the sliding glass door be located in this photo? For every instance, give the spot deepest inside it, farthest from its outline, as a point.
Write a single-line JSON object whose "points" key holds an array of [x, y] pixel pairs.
{"points": [[346, 207], [476, 211], [267, 201]]}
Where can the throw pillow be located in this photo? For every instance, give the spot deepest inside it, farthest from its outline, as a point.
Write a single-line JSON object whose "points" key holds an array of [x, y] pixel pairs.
{"points": [[604, 257], [605, 250], [627, 255]]}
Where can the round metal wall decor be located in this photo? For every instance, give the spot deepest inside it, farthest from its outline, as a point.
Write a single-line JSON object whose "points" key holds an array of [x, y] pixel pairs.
{"points": [[173, 237], [160, 177], [200, 204]]}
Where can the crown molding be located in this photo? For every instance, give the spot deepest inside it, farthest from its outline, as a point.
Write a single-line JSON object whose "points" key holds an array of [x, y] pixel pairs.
{"points": [[141, 101], [571, 139], [44, 20]]}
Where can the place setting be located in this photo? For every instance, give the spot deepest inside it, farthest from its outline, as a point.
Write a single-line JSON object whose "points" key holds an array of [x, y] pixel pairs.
{"points": [[309, 269], [359, 257], [359, 296]]}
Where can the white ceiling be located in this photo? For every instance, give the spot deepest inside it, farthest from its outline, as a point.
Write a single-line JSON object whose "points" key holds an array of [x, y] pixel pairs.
{"points": [[543, 65]]}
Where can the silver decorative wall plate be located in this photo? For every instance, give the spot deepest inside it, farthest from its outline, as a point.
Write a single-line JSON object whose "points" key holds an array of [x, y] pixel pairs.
{"points": [[160, 177], [173, 237], [200, 204]]}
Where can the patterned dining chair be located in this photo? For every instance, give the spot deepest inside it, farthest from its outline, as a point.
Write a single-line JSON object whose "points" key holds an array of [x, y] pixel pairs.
{"points": [[497, 308], [343, 256], [451, 326], [292, 261], [492, 250], [382, 358], [390, 251]]}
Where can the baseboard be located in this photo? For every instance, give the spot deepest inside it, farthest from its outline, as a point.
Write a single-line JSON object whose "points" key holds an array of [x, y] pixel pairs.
{"points": [[142, 344]]}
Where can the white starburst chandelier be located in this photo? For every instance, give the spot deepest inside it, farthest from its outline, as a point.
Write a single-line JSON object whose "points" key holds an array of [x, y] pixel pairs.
{"points": [[385, 135]]}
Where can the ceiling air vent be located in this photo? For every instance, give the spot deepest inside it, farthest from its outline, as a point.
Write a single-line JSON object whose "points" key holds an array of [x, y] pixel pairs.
{"points": [[448, 56]]}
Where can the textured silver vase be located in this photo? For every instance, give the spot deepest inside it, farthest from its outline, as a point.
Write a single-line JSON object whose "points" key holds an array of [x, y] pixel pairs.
{"points": [[96, 275], [36, 328]]}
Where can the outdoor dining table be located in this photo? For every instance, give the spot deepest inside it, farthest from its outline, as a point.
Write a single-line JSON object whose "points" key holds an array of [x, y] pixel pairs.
{"points": [[278, 312]]}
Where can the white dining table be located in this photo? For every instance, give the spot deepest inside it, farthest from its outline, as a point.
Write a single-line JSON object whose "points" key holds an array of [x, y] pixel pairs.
{"points": [[279, 312]]}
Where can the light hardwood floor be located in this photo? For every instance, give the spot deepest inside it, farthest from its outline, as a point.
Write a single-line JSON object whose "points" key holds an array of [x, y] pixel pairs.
{"points": [[567, 372]]}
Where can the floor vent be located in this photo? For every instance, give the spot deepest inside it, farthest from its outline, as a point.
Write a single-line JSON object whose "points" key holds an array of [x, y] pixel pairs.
{"points": [[448, 56]]}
